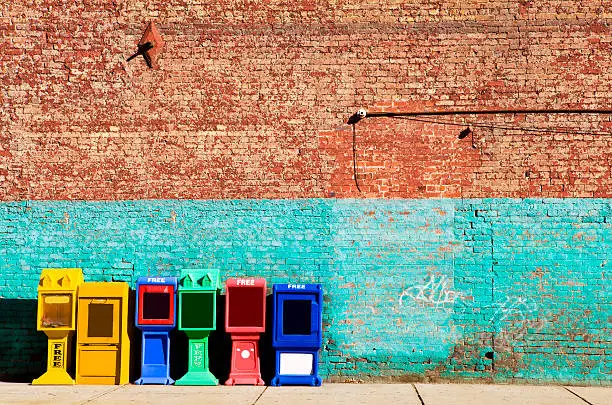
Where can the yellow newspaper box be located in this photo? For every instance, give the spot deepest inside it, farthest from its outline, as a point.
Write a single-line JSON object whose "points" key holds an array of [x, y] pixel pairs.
{"points": [[57, 290], [103, 343]]}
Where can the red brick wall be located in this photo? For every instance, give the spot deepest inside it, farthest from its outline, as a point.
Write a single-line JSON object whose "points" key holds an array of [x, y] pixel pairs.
{"points": [[400, 157], [251, 98]]}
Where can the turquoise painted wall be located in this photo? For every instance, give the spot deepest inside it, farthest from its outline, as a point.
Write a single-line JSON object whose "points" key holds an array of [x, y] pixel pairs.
{"points": [[417, 288]]}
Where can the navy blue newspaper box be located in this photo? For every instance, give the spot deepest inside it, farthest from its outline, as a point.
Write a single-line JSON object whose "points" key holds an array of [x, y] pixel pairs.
{"points": [[156, 317], [296, 333]]}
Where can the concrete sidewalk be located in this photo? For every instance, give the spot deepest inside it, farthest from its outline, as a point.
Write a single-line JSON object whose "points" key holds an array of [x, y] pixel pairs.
{"points": [[341, 394]]}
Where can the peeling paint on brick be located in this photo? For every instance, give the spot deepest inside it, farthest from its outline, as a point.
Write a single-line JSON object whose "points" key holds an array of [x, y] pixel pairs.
{"points": [[537, 305]]}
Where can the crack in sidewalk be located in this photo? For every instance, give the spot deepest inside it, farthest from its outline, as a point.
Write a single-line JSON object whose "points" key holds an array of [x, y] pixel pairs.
{"points": [[418, 394], [100, 395], [579, 396], [260, 395]]}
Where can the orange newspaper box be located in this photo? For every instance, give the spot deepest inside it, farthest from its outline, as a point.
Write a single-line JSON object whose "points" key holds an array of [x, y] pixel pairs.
{"points": [[57, 291], [103, 343], [245, 319]]}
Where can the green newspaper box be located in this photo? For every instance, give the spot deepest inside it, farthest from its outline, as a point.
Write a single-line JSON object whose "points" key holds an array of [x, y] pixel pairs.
{"points": [[197, 317]]}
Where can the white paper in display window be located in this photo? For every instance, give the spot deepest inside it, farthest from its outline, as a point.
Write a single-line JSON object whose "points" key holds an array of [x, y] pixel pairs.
{"points": [[296, 363]]}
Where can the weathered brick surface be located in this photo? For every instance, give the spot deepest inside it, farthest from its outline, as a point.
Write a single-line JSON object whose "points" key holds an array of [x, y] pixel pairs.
{"points": [[421, 289], [250, 101], [249, 94]]}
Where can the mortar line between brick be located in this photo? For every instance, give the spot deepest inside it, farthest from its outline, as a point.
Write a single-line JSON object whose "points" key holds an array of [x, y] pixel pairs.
{"points": [[260, 395], [100, 395], [418, 394], [584, 399]]}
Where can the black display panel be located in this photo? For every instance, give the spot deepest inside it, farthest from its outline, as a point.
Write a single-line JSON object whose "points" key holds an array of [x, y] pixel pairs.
{"points": [[156, 305], [297, 317]]}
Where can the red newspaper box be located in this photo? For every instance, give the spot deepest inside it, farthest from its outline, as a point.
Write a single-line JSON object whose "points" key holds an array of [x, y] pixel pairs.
{"points": [[245, 319]]}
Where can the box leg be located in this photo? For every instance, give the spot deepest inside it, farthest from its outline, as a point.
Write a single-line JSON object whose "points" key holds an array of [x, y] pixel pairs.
{"points": [[58, 348], [198, 372]]}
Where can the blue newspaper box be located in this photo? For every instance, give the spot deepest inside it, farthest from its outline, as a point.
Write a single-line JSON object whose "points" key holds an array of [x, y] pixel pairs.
{"points": [[156, 317], [297, 333]]}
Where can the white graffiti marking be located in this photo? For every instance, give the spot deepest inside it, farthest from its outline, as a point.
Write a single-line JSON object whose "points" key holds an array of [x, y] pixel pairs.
{"points": [[514, 307], [514, 317], [435, 291]]}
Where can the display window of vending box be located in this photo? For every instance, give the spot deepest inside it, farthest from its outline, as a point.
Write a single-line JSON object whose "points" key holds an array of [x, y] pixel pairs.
{"points": [[245, 319], [156, 303], [197, 317], [155, 317], [56, 317], [297, 333], [103, 342]]}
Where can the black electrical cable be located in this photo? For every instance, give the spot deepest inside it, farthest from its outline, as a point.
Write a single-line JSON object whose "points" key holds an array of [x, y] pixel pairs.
{"points": [[489, 112], [418, 117], [361, 114], [489, 125], [355, 158]]}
